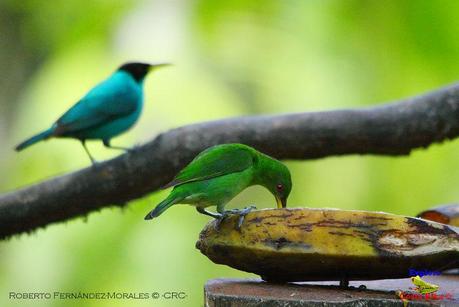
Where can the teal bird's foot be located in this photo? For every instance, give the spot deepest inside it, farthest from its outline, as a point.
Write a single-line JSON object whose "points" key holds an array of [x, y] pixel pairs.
{"points": [[95, 164], [93, 161], [126, 149], [133, 148]]}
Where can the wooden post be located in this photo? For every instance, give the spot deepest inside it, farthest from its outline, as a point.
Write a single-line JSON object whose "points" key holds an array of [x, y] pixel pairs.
{"points": [[254, 292]]}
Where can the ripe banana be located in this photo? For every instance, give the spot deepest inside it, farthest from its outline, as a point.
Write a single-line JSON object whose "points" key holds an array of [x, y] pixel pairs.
{"points": [[300, 244]]}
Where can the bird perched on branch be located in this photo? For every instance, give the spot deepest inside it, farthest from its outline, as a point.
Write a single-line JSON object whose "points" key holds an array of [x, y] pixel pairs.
{"points": [[109, 109], [221, 172]]}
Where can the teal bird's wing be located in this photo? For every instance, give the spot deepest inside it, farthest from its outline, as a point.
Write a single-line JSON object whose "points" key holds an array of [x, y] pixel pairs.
{"points": [[214, 162], [108, 101]]}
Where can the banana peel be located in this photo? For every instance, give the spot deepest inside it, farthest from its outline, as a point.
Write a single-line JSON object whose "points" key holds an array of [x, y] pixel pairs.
{"points": [[302, 244]]}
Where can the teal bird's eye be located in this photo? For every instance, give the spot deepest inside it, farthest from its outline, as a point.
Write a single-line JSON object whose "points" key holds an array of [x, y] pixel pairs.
{"points": [[280, 187]]}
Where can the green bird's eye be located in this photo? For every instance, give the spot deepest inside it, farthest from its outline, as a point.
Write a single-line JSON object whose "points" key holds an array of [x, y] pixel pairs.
{"points": [[280, 187]]}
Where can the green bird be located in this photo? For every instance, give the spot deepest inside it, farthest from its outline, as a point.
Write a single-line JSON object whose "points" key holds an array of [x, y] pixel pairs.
{"points": [[221, 172]]}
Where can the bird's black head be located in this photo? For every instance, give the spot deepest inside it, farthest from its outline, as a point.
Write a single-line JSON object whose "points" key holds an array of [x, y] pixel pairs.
{"points": [[139, 70]]}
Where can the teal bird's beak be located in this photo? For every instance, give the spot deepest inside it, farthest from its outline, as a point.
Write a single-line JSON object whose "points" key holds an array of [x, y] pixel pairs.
{"points": [[281, 202], [154, 66]]}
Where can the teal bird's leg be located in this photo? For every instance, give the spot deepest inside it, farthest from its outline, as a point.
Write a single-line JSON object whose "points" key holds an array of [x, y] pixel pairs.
{"points": [[204, 211], [107, 144], [83, 142]]}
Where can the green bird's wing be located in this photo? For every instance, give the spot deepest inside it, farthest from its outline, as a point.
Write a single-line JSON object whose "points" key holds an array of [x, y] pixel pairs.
{"points": [[214, 162], [106, 102]]}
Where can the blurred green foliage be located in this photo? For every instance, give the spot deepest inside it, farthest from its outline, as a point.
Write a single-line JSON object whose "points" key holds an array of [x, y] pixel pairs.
{"points": [[232, 58]]}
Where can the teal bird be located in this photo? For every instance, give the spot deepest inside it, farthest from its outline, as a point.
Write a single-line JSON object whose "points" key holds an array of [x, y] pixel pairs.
{"points": [[109, 109], [221, 172]]}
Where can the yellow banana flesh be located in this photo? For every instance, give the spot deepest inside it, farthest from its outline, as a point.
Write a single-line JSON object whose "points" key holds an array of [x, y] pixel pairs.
{"points": [[300, 244]]}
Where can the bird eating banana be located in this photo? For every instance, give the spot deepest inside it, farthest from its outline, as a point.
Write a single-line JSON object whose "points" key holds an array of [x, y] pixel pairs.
{"points": [[221, 172]]}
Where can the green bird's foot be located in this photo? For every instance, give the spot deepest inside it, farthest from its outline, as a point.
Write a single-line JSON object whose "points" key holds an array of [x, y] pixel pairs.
{"points": [[220, 219], [241, 212]]}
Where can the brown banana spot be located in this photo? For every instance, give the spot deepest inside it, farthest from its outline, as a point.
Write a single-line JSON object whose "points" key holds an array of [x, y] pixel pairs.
{"points": [[283, 242], [425, 227]]}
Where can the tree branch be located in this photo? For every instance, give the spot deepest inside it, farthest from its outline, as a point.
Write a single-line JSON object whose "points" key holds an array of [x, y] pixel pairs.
{"points": [[391, 129]]}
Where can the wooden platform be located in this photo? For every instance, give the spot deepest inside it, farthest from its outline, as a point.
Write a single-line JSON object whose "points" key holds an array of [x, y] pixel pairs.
{"points": [[255, 292]]}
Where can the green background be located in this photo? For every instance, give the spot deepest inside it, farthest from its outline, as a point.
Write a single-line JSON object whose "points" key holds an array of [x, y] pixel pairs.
{"points": [[230, 58]]}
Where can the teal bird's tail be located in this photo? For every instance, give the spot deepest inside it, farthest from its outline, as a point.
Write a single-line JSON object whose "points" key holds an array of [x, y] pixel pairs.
{"points": [[36, 138], [163, 206]]}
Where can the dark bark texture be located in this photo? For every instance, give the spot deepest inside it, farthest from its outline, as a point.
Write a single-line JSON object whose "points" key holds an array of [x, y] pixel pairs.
{"points": [[390, 129]]}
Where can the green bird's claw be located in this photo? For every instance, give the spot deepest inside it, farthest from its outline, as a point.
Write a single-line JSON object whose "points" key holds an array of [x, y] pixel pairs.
{"points": [[241, 212], [223, 216], [220, 220]]}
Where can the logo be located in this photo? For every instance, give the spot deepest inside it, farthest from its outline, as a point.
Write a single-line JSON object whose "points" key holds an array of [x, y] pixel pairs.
{"points": [[423, 290]]}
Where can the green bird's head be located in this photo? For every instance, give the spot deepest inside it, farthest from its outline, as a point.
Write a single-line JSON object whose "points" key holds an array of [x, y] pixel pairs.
{"points": [[275, 176], [139, 70]]}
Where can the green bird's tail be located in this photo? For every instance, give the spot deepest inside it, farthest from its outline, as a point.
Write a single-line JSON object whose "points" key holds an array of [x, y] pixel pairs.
{"points": [[163, 206], [36, 138]]}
